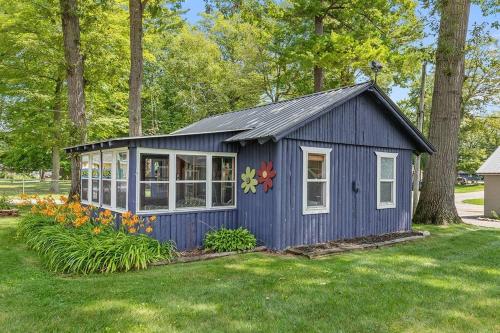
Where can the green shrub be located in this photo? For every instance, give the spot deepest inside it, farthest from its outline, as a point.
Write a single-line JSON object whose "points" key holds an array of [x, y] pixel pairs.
{"points": [[495, 215], [224, 240], [4, 203], [78, 250]]}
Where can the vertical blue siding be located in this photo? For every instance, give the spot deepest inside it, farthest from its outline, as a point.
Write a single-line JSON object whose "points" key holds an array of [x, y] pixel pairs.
{"points": [[132, 179], [351, 214], [257, 212], [359, 121]]}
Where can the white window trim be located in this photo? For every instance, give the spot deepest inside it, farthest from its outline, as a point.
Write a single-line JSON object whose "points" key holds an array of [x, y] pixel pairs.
{"points": [[115, 153], [380, 155], [88, 178], [91, 177], [305, 154], [172, 180]]}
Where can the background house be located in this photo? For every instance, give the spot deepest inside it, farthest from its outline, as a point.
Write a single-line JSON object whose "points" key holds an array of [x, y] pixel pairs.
{"points": [[491, 172], [341, 168]]}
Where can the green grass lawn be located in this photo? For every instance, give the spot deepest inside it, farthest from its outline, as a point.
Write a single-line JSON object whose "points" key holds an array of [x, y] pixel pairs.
{"points": [[469, 188], [449, 282], [15, 188], [476, 201]]}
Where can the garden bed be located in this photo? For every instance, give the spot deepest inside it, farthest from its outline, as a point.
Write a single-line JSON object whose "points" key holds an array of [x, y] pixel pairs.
{"points": [[9, 212], [201, 254], [360, 243]]}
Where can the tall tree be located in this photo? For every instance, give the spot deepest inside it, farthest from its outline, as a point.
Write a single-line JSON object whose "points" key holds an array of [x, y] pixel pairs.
{"points": [[437, 200], [350, 34], [74, 77], [318, 30], [136, 12], [56, 135]]}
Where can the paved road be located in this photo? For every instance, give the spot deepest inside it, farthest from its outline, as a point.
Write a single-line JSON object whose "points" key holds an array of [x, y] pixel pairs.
{"points": [[470, 213]]}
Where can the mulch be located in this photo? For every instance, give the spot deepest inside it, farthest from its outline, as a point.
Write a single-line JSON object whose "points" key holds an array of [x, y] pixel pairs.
{"points": [[200, 255], [360, 243]]}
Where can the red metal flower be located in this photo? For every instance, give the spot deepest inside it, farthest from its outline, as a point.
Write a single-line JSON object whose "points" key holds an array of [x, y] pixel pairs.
{"points": [[266, 174]]}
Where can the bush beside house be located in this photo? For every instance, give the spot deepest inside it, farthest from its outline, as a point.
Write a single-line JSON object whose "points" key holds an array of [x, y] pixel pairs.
{"points": [[77, 239], [225, 240]]}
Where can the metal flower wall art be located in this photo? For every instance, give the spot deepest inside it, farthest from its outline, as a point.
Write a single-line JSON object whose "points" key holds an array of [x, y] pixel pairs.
{"points": [[265, 175], [249, 181]]}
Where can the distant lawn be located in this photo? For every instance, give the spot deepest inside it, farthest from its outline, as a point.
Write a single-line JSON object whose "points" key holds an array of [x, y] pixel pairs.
{"points": [[446, 283], [469, 188], [15, 188], [477, 201]]}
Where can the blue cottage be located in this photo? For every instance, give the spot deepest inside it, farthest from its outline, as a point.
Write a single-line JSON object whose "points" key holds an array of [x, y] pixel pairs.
{"points": [[326, 166]]}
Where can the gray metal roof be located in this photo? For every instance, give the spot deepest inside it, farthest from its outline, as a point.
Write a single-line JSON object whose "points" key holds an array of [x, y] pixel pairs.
{"points": [[271, 120], [491, 165], [276, 120]]}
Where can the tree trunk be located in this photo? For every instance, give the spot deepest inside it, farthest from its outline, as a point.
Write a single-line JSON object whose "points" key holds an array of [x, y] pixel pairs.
{"points": [[437, 200], [420, 126], [136, 9], [56, 128], [318, 71], [76, 94]]}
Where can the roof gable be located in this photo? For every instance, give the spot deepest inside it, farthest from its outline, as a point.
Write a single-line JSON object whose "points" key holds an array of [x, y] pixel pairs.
{"points": [[491, 165]]}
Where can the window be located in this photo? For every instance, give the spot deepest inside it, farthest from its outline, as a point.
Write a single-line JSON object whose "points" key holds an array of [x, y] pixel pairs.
{"points": [[107, 168], [223, 181], [316, 180], [121, 167], [154, 182], [191, 181], [104, 182], [84, 176], [386, 180], [180, 180], [96, 172]]}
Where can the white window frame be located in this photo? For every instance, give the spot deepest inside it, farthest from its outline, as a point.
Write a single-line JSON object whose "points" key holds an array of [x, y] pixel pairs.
{"points": [[91, 177], [305, 158], [139, 181], [99, 153], [234, 181], [115, 180], [102, 179], [172, 181], [89, 174], [380, 155]]}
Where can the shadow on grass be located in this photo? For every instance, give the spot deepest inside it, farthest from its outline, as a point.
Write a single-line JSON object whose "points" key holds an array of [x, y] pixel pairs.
{"points": [[448, 282]]}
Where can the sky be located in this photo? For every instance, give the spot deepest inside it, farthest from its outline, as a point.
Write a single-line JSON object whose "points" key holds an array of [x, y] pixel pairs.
{"points": [[194, 7]]}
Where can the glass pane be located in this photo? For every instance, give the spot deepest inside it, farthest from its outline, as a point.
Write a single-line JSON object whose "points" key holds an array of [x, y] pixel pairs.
{"points": [[223, 168], [223, 194], [121, 195], [387, 168], [95, 191], [85, 189], [316, 166], [85, 167], [121, 165], [107, 160], [191, 167], [316, 194], [154, 196], [95, 166], [191, 195], [106, 192], [154, 167], [386, 192]]}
